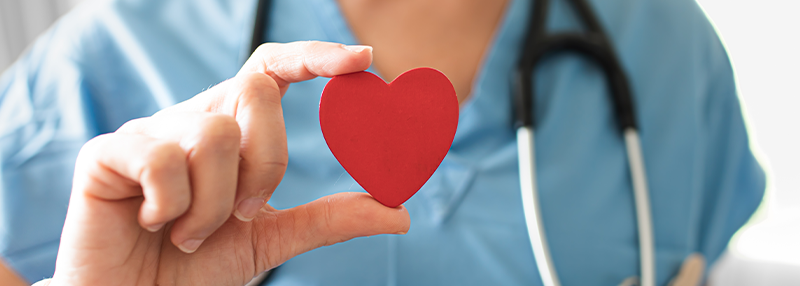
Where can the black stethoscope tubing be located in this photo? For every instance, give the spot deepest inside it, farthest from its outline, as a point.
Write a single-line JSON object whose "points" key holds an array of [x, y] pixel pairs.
{"points": [[593, 44], [260, 24]]}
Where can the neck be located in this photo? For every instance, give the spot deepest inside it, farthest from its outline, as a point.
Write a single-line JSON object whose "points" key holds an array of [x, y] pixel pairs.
{"points": [[449, 35]]}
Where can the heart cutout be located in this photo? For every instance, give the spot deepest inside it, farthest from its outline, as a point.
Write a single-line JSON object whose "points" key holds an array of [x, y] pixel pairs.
{"points": [[390, 137]]}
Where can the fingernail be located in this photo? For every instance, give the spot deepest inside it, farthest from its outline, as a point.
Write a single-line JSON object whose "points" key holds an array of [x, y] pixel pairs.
{"points": [[401, 232], [190, 245], [357, 48], [248, 209], [154, 228]]}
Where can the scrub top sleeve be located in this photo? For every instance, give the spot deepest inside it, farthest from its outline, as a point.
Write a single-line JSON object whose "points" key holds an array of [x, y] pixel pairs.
{"points": [[44, 121], [734, 182]]}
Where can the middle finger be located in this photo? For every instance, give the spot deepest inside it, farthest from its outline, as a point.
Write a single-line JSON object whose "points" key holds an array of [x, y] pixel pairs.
{"points": [[211, 142]]}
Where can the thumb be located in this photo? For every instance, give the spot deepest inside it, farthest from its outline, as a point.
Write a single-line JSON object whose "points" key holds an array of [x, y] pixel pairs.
{"points": [[325, 221]]}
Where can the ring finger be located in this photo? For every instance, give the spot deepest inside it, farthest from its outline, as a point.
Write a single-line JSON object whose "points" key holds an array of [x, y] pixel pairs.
{"points": [[211, 142]]}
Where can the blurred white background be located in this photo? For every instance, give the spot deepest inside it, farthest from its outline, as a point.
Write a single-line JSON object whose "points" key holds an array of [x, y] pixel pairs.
{"points": [[763, 39], [22, 20]]}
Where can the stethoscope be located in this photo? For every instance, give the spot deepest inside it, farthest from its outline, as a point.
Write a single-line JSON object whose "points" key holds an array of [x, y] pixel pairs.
{"points": [[595, 45]]}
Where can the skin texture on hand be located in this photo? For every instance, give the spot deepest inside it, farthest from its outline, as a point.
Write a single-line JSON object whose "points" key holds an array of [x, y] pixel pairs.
{"points": [[179, 198]]}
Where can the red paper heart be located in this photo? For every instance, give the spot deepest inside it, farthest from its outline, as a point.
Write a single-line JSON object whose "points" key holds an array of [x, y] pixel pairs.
{"points": [[390, 137]]}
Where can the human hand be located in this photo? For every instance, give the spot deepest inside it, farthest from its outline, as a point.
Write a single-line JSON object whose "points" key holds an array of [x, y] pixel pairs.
{"points": [[152, 202]]}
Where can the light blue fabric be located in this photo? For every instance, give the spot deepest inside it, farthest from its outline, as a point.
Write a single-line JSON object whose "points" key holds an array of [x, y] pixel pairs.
{"points": [[111, 61]]}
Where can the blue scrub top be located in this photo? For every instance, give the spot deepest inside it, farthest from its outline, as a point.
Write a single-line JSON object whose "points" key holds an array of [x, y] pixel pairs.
{"points": [[111, 61]]}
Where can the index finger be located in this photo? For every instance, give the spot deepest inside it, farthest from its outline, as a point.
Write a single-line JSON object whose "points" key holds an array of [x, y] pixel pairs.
{"points": [[284, 64], [300, 61]]}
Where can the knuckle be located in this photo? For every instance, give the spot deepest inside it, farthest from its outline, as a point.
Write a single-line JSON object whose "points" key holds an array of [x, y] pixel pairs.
{"points": [[175, 204], [89, 154], [328, 215], [164, 157], [265, 49], [259, 87], [310, 45], [278, 165], [175, 207], [217, 131], [329, 223], [219, 125], [271, 174], [133, 126], [318, 48], [88, 165], [88, 149]]}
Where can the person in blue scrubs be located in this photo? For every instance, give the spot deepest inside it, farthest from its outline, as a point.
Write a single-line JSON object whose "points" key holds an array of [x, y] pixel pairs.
{"points": [[109, 62]]}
